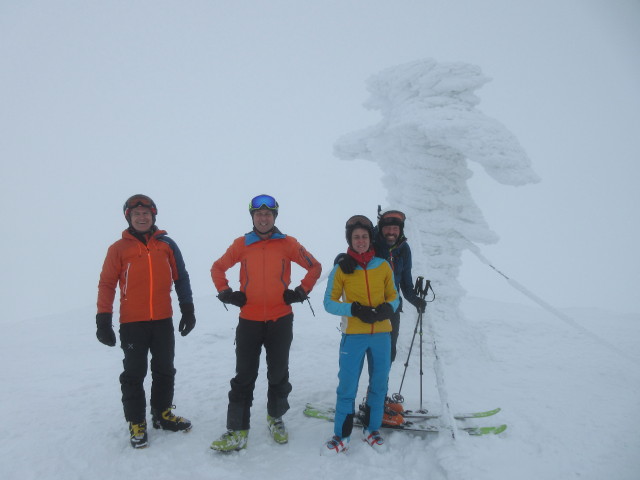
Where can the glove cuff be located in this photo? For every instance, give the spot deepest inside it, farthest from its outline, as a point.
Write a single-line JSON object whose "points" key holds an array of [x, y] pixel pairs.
{"points": [[186, 308], [104, 319]]}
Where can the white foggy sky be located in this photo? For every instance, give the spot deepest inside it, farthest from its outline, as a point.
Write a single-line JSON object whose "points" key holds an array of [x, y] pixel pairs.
{"points": [[203, 104]]}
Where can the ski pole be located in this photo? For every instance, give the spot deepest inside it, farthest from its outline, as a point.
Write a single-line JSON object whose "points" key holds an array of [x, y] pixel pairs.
{"points": [[422, 295], [406, 364], [421, 292], [416, 289], [310, 306]]}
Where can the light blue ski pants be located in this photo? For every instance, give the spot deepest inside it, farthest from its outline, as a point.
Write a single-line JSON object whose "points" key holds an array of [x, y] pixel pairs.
{"points": [[353, 350]]}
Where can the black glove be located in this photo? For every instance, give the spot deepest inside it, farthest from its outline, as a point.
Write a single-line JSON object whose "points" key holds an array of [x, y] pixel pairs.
{"points": [[384, 311], [105, 331], [188, 320], [294, 296], [234, 298], [347, 263], [421, 305], [364, 313]]}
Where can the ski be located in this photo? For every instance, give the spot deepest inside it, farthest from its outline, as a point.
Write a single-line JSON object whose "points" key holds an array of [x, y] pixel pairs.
{"points": [[416, 427], [458, 416], [328, 414], [417, 414]]}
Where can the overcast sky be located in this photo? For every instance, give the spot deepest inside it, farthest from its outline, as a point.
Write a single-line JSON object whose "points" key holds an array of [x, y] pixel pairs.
{"points": [[204, 104]]}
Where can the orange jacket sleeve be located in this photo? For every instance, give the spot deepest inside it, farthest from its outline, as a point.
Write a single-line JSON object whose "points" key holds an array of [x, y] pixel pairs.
{"points": [[224, 263], [303, 258], [108, 281]]}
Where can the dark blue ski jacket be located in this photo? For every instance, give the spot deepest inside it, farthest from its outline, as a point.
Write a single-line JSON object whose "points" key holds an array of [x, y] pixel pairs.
{"points": [[399, 257]]}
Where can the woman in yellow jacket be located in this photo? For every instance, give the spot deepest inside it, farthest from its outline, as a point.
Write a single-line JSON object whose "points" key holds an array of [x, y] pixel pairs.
{"points": [[365, 299]]}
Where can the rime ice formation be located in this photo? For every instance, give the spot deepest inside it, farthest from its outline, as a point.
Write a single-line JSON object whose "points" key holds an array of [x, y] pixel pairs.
{"points": [[430, 128]]}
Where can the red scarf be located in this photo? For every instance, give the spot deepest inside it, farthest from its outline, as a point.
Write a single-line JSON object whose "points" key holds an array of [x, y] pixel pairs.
{"points": [[362, 258]]}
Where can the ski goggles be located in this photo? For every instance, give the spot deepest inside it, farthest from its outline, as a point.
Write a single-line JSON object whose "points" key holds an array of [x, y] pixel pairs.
{"points": [[394, 214], [359, 220], [392, 217], [263, 201], [140, 201]]}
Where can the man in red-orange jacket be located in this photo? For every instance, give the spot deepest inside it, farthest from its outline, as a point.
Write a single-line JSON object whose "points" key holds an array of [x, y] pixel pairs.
{"points": [[266, 318], [146, 264]]}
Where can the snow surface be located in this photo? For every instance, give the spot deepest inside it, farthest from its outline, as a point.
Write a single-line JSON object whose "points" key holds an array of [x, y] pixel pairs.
{"points": [[570, 403]]}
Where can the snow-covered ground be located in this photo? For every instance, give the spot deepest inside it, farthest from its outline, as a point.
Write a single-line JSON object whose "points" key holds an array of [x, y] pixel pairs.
{"points": [[570, 402]]}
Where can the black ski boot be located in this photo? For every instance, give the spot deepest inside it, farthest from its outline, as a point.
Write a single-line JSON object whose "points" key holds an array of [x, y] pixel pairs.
{"points": [[138, 434], [166, 420]]}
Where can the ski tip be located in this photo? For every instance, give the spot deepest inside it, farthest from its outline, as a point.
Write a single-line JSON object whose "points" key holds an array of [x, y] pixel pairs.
{"points": [[488, 413], [500, 429], [493, 430], [477, 431]]}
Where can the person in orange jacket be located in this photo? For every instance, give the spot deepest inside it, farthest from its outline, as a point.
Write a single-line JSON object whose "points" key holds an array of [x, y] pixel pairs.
{"points": [[266, 317], [146, 264]]}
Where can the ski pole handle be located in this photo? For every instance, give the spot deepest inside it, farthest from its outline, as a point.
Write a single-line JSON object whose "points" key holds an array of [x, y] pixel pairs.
{"points": [[418, 288], [425, 291]]}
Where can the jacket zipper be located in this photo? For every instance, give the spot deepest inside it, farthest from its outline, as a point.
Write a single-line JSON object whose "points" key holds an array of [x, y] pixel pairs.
{"points": [[150, 283], [126, 280], [366, 279]]}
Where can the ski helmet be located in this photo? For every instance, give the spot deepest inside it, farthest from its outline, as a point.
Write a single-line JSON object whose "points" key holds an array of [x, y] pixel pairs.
{"points": [[139, 200], [392, 217], [263, 202], [358, 221]]}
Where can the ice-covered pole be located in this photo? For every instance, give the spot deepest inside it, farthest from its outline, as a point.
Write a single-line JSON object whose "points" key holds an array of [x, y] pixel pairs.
{"points": [[447, 416]]}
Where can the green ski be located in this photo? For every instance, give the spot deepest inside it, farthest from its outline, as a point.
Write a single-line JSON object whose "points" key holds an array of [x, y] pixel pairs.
{"points": [[327, 413]]}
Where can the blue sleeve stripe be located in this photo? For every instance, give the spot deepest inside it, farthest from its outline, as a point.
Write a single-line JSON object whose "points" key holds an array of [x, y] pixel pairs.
{"points": [[331, 306], [182, 284]]}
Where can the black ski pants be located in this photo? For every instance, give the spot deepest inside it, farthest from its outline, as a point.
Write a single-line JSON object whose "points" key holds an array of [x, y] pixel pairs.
{"points": [[137, 339], [395, 330], [276, 336]]}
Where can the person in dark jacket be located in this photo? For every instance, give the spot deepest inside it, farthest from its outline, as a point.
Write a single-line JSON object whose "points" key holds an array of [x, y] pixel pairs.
{"points": [[146, 264], [391, 244]]}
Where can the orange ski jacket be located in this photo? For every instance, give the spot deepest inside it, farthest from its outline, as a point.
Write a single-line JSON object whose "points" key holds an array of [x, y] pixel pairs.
{"points": [[146, 275], [265, 272]]}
